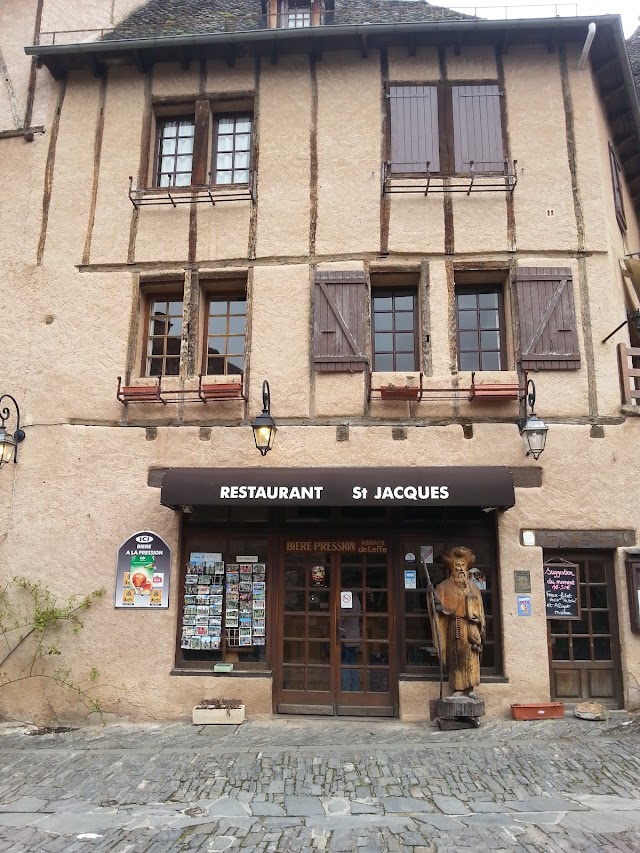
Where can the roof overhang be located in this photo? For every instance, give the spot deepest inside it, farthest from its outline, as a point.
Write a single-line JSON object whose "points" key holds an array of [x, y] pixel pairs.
{"points": [[609, 58], [487, 487]]}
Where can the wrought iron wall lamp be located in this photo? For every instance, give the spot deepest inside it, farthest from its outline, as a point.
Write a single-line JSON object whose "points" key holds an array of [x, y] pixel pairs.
{"points": [[532, 428], [9, 441], [264, 426]]}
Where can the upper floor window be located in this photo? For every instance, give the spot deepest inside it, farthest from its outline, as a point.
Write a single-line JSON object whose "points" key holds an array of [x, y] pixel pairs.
{"points": [[420, 118], [481, 331], [164, 335], [232, 149], [191, 150], [226, 327], [293, 14], [617, 190], [395, 328]]}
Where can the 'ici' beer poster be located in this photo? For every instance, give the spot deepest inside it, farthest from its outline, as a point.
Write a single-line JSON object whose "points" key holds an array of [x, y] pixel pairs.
{"points": [[143, 572]]}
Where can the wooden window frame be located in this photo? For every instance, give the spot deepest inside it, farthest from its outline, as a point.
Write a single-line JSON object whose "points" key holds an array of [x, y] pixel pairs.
{"points": [[243, 114], [384, 289], [616, 184], [228, 295], [445, 123], [150, 297], [161, 123], [478, 288]]}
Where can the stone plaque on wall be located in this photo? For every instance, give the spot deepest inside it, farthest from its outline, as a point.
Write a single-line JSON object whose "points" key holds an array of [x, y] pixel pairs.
{"points": [[522, 580]]}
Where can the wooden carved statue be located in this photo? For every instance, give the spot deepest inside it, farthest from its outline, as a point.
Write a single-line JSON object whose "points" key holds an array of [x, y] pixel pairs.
{"points": [[459, 622]]}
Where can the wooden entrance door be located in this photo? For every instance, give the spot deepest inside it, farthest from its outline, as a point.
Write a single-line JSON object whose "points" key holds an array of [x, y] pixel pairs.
{"points": [[335, 635], [584, 655]]}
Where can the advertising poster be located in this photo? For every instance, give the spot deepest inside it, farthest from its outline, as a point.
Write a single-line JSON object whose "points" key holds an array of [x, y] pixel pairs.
{"points": [[524, 605], [142, 572]]}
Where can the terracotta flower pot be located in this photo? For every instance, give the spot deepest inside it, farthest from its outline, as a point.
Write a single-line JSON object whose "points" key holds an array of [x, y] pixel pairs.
{"points": [[538, 710]]}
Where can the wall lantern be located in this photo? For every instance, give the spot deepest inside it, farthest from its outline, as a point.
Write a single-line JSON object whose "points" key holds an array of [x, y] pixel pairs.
{"points": [[264, 426], [532, 428], [9, 441]]}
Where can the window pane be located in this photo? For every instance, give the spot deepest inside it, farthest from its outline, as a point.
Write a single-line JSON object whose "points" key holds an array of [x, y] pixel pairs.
{"points": [[602, 648], [235, 365], [236, 325], [491, 361], [383, 363], [241, 160], [225, 143], [187, 127], [217, 325], [383, 342], [404, 303], [600, 622], [467, 319], [168, 146], [241, 176], [560, 648], [226, 125], [405, 320], [382, 303], [581, 649], [243, 142], [243, 125], [215, 366], [183, 180], [489, 320], [185, 146], [404, 342], [598, 595], [468, 341], [237, 306], [469, 361], [382, 322], [490, 340], [467, 300], [223, 177], [224, 161], [488, 300]]}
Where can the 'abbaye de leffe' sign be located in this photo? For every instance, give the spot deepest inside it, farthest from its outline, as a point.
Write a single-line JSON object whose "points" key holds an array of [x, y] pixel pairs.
{"points": [[463, 486]]}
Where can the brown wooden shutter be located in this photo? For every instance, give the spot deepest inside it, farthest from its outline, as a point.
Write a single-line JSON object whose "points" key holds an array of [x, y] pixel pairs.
{"points": [[413, 113], [477, 128], [548, 333], [199, 175], [339, 322], [617, 190]]}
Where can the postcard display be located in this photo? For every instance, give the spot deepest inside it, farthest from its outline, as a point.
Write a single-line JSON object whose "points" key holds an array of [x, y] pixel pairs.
{"points": [[221, 597]]}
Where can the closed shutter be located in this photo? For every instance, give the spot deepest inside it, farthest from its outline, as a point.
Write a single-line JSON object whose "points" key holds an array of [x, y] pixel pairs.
{"points": [[413, 114], [477, 129], [548, 333], [199, 175], [339, 322]]}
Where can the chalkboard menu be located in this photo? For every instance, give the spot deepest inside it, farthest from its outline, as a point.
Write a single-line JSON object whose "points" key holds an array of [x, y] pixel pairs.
{"points": [[561, 589]]}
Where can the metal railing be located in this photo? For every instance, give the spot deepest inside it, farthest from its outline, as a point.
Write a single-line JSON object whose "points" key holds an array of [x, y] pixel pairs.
{"points": [[71, 36]]}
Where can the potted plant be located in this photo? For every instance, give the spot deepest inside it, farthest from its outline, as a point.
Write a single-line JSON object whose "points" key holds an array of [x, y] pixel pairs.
{"points": [[219, 712], [537, 710]]}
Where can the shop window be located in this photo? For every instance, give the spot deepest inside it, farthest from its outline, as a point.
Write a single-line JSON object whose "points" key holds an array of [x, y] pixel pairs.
{"points": [[163, 335], [225, 335], [480, 327], [445, 128], [223, 602], [418, 653], [394, 312]]}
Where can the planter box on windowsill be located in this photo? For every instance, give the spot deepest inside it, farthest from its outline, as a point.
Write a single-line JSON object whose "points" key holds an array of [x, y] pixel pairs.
{"points": [[400, 393], [538, 711], [218, 716]]}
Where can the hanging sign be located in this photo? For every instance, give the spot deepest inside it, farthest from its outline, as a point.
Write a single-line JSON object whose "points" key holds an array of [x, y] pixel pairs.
{"points": [[561, 589], [143, 572]]}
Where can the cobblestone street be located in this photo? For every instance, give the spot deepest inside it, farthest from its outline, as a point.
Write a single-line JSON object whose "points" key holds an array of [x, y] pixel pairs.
{"points": [[334, 785]]}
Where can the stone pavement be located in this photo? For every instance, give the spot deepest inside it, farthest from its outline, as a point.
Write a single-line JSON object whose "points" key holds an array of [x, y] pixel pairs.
{"points": [[323, 784]]}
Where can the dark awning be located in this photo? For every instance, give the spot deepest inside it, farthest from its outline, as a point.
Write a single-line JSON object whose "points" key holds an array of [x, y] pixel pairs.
{"points": [[463, 486]]}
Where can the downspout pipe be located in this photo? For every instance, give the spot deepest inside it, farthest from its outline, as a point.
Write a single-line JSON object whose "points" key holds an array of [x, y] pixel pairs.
{"points": [[591, 33]]}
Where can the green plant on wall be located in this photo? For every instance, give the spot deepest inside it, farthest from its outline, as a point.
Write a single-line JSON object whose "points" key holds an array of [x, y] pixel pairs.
{"points": [[33, 629]]}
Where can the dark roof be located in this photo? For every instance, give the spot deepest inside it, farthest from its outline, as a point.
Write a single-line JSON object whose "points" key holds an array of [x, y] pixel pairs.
{"points": [[161, 18], [633, 48]]}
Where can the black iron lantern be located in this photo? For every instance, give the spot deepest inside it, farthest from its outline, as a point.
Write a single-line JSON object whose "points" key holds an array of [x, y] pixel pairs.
{"points": [[532, 428], [9, 441], [264, 426]]}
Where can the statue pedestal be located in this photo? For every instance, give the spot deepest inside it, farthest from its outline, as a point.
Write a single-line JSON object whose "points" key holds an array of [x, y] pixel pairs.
{"points": [[458, 712]]}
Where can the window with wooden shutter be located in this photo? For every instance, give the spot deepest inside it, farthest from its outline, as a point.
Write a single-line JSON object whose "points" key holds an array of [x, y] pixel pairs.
{"points": [[414, 129], [617, 190], [339, 322], [548, 332], [477, 128]]}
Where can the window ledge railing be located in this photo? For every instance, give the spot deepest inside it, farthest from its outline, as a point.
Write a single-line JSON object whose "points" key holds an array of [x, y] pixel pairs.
{"points": [[414, 390], [476, 180], [207, 390], [209, 194], [629, 373]]}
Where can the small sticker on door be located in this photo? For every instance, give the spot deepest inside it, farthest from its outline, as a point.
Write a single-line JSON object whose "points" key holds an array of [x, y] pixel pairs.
{"points": [[346, 600]]}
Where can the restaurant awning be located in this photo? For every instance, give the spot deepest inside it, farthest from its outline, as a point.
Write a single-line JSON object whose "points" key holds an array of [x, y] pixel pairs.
{"points": [[437, 487]]}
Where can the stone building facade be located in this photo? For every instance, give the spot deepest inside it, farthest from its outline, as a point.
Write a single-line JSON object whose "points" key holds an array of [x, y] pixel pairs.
{"points": [[396, 215]]}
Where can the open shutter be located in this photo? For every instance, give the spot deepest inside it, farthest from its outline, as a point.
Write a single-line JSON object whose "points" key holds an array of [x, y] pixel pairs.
{"points": [[339, 322], [617, 190], [548, 333], [413, 114], [477, 129], [199, 175]]}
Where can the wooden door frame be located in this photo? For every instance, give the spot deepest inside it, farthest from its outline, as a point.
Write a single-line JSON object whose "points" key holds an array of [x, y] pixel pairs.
{"points": [[608, 558], [321, 708]]}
